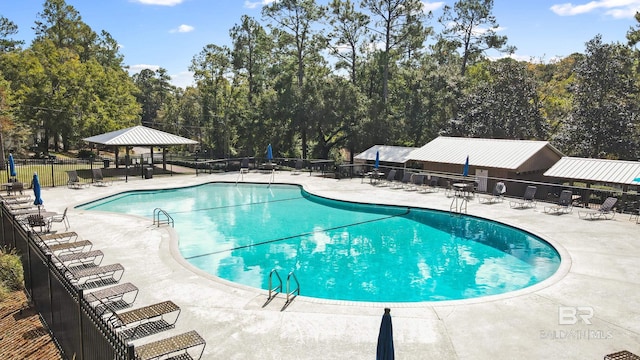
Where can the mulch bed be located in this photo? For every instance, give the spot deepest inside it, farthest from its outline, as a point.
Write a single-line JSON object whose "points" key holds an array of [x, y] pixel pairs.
{"points": [[22, 334]]}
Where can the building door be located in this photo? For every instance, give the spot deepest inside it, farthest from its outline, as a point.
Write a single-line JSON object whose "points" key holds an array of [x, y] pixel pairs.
{"points": [[481, 176]]}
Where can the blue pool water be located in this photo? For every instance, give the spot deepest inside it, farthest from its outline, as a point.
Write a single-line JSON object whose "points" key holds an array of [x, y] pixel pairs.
{"points": [[340, 250]]}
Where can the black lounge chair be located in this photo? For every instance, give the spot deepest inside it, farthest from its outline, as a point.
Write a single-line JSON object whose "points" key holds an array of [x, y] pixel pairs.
{"points": [[496, 195], [298, 167], [175, 347], [528, 199], [564, 205], [86, 278], [112, 298], [98, 179], [74, 181], [605, 211], [136, 323]]}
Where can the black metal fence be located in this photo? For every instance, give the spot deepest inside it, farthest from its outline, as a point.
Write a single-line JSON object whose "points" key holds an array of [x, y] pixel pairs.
{"points": [[79, 331]]}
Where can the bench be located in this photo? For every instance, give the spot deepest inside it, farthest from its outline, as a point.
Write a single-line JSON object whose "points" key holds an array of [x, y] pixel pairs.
{"points": [[179, 346], [151, 319], [113, 298], [86, 278]]}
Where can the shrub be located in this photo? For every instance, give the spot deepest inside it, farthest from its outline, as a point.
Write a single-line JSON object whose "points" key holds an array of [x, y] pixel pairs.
{"points": [[11, 271], [86, 154]]}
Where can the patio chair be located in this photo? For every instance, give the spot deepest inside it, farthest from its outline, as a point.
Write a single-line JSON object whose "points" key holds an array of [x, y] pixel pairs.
{"points": [[605, 210], [98, 179], [432, 184], [564, 205], [496, 195], [62, 218], [528, 199], [91, 258], [136, 323], [74, 182], [37, 220], [177, 346]]}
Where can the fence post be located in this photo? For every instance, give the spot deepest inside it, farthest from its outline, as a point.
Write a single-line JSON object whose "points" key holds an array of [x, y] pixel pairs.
{"points": [[131, 354], [80, 327], [53, 179]]}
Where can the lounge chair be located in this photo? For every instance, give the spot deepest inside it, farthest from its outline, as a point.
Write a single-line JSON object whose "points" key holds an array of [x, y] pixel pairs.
{"points": [[62, 218], [136, 323], [432, 184], [605, 210], [528, 199], [496, 195], [298, 167], [406, 180], [80, 260], [112, 298], [98, 179], [92, 277], [74, 181], [417, 182], [70, 247], [390, 179], [58, 238], [175, 347], [564, 205]]}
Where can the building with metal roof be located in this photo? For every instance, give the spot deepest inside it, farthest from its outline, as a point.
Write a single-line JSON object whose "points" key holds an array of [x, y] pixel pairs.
{"points": [[488, 158], [601, 171], [391, 155]]}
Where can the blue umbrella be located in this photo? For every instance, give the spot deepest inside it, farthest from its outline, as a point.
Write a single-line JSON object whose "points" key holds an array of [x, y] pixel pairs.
{"points": [[465, 170], [377, 164], [636, 179], [12, 166], [385, 338], [36, 191], [269, 153]]}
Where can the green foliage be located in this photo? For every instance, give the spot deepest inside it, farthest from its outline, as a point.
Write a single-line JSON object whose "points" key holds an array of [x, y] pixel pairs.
{"points": [[11, 271]]}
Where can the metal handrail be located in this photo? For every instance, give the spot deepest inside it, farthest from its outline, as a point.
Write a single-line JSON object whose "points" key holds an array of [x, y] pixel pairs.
{"points": [[277, 289], [296, 290], [156, 217]]}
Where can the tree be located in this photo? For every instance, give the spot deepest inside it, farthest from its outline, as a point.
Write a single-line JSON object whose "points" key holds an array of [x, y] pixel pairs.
{"points": [[295, 20], [603, 121], [8, 28], [471, 26], [348, 35], [502, 104], [251, 47], [399, 25]]}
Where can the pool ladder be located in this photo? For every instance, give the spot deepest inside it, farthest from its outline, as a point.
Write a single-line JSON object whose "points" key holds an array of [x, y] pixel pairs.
{"points": [[167, 218], [273, 291], [458, 204]]}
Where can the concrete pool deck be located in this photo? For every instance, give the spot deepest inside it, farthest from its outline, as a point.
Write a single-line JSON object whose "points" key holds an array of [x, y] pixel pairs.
{"points": [[589, 308]]}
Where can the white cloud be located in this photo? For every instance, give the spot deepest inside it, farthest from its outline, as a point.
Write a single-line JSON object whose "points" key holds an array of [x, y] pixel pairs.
{"points": [[182, 29], [182, 79], [614, 8], [431, 6], [254, 4], [160, 2], [134, 69]]}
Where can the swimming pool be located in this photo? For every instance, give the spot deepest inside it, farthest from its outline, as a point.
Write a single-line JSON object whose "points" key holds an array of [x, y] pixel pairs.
{"points": [[340, 250]]}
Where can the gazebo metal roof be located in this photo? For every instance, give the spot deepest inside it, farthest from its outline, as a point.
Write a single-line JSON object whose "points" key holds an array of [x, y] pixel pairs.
{"points": [[139, 136]]}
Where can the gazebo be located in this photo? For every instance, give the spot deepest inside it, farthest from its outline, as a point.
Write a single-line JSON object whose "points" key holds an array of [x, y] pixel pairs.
{"points": [[139, 136]]}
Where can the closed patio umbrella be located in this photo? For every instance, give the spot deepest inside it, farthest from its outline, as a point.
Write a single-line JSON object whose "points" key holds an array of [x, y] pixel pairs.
{"points": [[36, 191], [377, 164], [12, 166], [269, 153], [385, 338], [465, 170]]}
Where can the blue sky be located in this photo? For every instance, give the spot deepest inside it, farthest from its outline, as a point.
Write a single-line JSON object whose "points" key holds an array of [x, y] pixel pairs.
{"points": [[169, 33]]}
